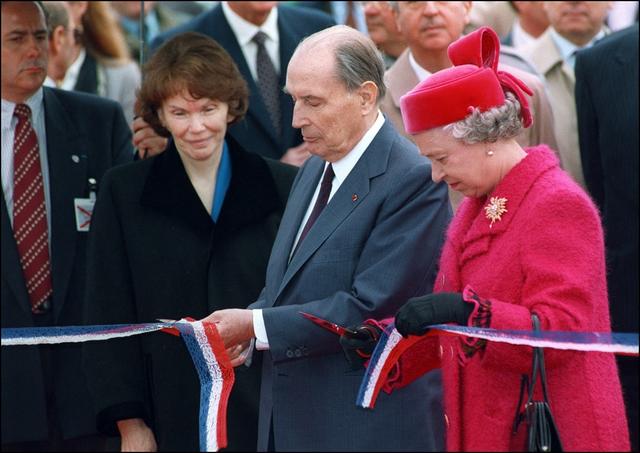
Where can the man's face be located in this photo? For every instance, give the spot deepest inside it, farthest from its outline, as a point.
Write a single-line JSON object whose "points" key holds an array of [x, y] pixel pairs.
{"points": [[24, 50], [254, 12], [578, 22], [328, 115], [381, 23], [432, 26]]}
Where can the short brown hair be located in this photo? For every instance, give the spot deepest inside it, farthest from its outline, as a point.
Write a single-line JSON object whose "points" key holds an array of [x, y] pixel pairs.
{"points": [[196, 63]]}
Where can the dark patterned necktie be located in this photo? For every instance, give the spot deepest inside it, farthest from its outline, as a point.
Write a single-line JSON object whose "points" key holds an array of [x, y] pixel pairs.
{"points": [[321, 202], [268, 81], [29, 211]]}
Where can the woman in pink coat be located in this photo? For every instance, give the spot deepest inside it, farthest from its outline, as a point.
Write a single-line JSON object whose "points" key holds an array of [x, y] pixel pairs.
{"points": [[526, 239]]}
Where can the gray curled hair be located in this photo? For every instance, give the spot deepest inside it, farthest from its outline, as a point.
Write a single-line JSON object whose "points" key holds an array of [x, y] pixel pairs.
{"points": [[497, 123]]}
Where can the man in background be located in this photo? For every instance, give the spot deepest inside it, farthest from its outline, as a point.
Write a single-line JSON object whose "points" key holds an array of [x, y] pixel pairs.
{"points": [[260, 37], [574, 26], [56, 145], [607, 107]]}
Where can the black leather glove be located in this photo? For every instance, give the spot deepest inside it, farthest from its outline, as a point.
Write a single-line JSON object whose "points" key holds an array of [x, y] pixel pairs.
{"points": [[359, 345], [418, 313]]}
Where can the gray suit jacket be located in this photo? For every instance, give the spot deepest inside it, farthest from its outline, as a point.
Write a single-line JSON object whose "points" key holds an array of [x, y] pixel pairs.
{"points": [[375, 245]]}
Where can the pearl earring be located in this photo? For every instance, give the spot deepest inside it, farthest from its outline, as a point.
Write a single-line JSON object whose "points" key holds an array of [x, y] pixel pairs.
{"points": [[489, 153]]}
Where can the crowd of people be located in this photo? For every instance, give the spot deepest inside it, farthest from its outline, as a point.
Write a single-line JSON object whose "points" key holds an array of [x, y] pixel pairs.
{"points": [[424, 162]]}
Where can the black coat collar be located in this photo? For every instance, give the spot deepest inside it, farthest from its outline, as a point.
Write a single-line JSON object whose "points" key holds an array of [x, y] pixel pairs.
{"points": [[251, 196]]}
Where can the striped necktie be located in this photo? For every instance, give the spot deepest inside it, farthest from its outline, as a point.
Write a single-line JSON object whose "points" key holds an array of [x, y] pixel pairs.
{"points": [[29, 211]]}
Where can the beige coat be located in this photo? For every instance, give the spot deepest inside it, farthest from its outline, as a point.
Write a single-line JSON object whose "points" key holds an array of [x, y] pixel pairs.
{"points": [[401, 78], [561, 83]]}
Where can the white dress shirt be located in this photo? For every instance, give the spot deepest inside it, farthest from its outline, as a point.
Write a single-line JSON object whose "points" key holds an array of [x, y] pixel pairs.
{"points": [[245, 31], [421, 72], [71, 76], [341, 168], [568, 49], [9, 123], [519, 37]]}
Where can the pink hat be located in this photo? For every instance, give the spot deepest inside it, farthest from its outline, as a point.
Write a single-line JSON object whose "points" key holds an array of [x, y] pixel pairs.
{"points": [[474, 81]]}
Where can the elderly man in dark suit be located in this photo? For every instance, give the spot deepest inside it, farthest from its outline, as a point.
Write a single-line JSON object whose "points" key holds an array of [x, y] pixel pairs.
{"points": [[607, 108], [362, 231], [260, 38], [53, 144]]}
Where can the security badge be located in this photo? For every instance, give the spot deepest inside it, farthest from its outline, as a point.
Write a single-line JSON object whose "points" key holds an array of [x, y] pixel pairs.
{"points": [[84, 208]]}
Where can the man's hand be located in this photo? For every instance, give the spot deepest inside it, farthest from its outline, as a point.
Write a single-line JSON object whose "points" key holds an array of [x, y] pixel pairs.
{"points": [[234, 325], [136, 436], [296, 155], [238, 354], [145, 139], [359, 346]]}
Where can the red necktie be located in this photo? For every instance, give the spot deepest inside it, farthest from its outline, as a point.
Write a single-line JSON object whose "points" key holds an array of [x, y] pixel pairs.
{"points": [[321, 202], [29, 211]]}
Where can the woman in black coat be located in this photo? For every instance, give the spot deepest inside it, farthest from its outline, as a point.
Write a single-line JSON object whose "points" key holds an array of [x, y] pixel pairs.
{"points": [[181, 234]]}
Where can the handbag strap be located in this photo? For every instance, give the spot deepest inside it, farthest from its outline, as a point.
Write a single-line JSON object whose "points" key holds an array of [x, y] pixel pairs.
{"points": [[538, 365]]}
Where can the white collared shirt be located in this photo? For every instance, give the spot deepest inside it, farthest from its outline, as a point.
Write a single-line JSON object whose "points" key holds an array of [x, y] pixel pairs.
{"points": [[245, 31], [568, 50], [421, 72], [519, 37], [71, 76], [341, 168], [9, 123]]}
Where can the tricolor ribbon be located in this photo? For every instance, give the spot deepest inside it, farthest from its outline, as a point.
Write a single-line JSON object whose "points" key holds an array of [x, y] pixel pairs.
{"points": [[203, 343], [392, 345]]}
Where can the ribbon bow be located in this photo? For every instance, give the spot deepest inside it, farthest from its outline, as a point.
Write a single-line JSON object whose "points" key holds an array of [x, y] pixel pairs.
{"points": [[481, 48]]}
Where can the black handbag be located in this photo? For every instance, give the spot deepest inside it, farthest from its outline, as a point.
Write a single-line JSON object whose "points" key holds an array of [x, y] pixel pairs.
{"points": [[542, 432]]}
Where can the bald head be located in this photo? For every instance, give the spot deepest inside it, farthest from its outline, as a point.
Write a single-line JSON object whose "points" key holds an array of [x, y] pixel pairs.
{"points": [[354, 56]]}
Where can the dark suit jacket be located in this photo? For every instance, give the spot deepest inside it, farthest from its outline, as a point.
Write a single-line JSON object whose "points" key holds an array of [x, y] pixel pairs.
{"points": [[607, 107], [255, 133], [156, 253], [86, 135], [374, 245]]}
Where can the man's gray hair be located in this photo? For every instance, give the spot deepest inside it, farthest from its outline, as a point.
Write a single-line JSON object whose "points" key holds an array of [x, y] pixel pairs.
{"points": [[57, 15], [359, 61], [357, 58], [490, 126]]}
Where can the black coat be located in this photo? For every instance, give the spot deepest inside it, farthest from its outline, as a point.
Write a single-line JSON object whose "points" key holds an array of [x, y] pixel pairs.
{"points": [[86, 135], [156, 253], [607, 107]]}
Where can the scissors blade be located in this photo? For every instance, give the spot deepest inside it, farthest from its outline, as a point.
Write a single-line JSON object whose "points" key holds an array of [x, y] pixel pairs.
{"points": [[328, 325]]}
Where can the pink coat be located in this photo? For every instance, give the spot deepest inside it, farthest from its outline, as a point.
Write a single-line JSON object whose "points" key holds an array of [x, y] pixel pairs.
{"points": [[546, 256]]}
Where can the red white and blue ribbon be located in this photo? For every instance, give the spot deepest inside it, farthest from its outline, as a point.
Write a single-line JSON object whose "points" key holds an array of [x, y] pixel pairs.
{"points": [[392, 345], [216, 379], [203, 343]]}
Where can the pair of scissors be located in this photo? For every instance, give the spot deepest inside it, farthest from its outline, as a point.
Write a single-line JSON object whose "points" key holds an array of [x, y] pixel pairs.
{"points": [[330, 326], [173, 330]]}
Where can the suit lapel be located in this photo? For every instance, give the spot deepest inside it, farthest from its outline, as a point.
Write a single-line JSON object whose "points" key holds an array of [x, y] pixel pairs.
{"points": [[11, 267], [68, 159], [372, 163], [294, 212], [401, 78]]}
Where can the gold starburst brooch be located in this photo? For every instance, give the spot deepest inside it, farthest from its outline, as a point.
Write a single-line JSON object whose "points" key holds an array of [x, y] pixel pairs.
{"points": [[495, 209]]}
